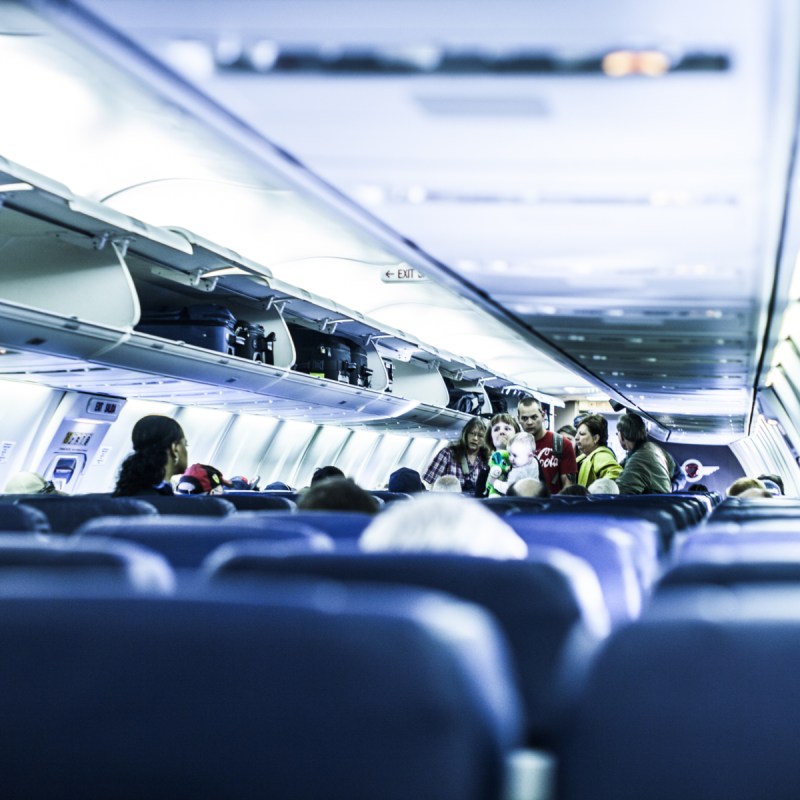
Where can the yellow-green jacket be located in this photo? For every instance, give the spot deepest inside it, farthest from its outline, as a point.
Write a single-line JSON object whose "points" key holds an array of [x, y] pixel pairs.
{"points": [[600, 463]]}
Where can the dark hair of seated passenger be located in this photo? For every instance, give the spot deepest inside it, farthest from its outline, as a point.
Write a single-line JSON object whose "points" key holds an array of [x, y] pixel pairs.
{"points": [[152, 437], [337, 494], [698, 487], [575, 488], [521, 490], [323, 473]]}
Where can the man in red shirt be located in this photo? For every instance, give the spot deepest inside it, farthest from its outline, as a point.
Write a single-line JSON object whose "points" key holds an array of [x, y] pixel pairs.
{"points": [[559, 469]]}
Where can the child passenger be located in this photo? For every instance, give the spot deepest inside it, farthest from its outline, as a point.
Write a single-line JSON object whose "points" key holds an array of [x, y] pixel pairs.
{"points": [[524, 464]]}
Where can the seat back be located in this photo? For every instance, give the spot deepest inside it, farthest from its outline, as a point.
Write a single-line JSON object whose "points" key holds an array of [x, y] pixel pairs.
{"points": [[698, 699], [66, 513], [26, 557], [339, 525], [304, 692], [733, 509], [625, 560], [186, 541], [15, 517], [537, 603], [259, 501], [198, 505]]}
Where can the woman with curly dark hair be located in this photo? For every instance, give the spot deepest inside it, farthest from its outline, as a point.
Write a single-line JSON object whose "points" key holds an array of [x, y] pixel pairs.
{"points": [[159, 452]]}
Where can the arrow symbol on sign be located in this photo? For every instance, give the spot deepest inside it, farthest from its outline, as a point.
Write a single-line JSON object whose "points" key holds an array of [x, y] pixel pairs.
{"points": [[389, 274]]}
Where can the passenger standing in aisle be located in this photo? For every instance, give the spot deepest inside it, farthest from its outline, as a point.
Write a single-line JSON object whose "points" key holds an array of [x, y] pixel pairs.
{"points": [[159, 452], [647, 469], [502, 428], [465, 459], [554, 451], [596, 459]]}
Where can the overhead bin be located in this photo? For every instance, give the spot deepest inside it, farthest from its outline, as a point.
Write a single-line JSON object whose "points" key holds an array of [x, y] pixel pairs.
{"points": [[93, 298]]}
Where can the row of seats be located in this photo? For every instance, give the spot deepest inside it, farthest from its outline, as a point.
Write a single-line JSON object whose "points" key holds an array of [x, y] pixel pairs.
{"points": [[305, 690], [612, 731], [698, 698]]}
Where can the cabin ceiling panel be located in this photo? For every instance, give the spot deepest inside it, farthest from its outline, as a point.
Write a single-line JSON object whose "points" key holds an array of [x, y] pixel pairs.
{"points": [[655, 201]]}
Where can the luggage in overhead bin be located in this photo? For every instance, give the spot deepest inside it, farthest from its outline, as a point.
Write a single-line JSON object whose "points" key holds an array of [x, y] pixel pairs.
{"points": [[468, 400], [360, 373], [322, 354], [254, 343], [205, 325]]}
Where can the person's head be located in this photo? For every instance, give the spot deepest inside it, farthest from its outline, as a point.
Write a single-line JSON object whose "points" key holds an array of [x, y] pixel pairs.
{"points": [[697, 487], [575, 489], [502, 428], [531, 417], [603, 486], [774, 483], [756, 494], [159, 452], [446, 483], [29, 483], [323, 473], [405, 480], [201, 479], [631, 431], [568, 432], [337, 494], [521, 450], [473, 436], [277, 486], [527, 487], [741, 485], [592, 433], [442, 523]]}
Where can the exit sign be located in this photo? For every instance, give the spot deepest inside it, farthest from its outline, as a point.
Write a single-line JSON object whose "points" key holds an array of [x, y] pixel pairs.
{"points": [[402, 273]]}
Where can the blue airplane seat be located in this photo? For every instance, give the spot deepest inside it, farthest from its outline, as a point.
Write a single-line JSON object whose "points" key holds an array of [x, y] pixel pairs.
{"points": [[734, 509], [26, 557], [698, 700], [65, 513], [307, 691], [389, 497], [259, 501], [186, 540], [199, 505], [665, 518], [346, 525], [15, 517], [622, 552], [539, 605]]}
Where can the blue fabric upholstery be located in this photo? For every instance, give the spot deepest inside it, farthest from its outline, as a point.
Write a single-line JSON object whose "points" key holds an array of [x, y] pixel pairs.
{"points": [[28, 556], [259, 501], [306, 692], [186, 541], [732, 509], [337, 524], [15, 517], [535, 603], [66, 513], [698, 700], [623, 553], [199, 505]]}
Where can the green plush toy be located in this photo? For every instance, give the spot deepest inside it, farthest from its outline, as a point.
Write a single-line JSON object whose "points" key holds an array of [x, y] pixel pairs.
{"points": [[499, 467]]}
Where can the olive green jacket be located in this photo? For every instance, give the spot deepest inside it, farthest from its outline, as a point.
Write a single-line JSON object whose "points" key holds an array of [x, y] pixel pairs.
{"points": [[647, 470]]}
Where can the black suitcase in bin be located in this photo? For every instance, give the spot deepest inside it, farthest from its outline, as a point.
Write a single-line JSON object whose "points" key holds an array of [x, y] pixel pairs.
{"points": [[360, 373], [321, 354], [254, 343], [207, 325]]}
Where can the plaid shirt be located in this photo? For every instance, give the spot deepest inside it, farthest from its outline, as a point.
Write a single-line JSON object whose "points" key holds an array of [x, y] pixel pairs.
{"points": [[445, 463]]}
